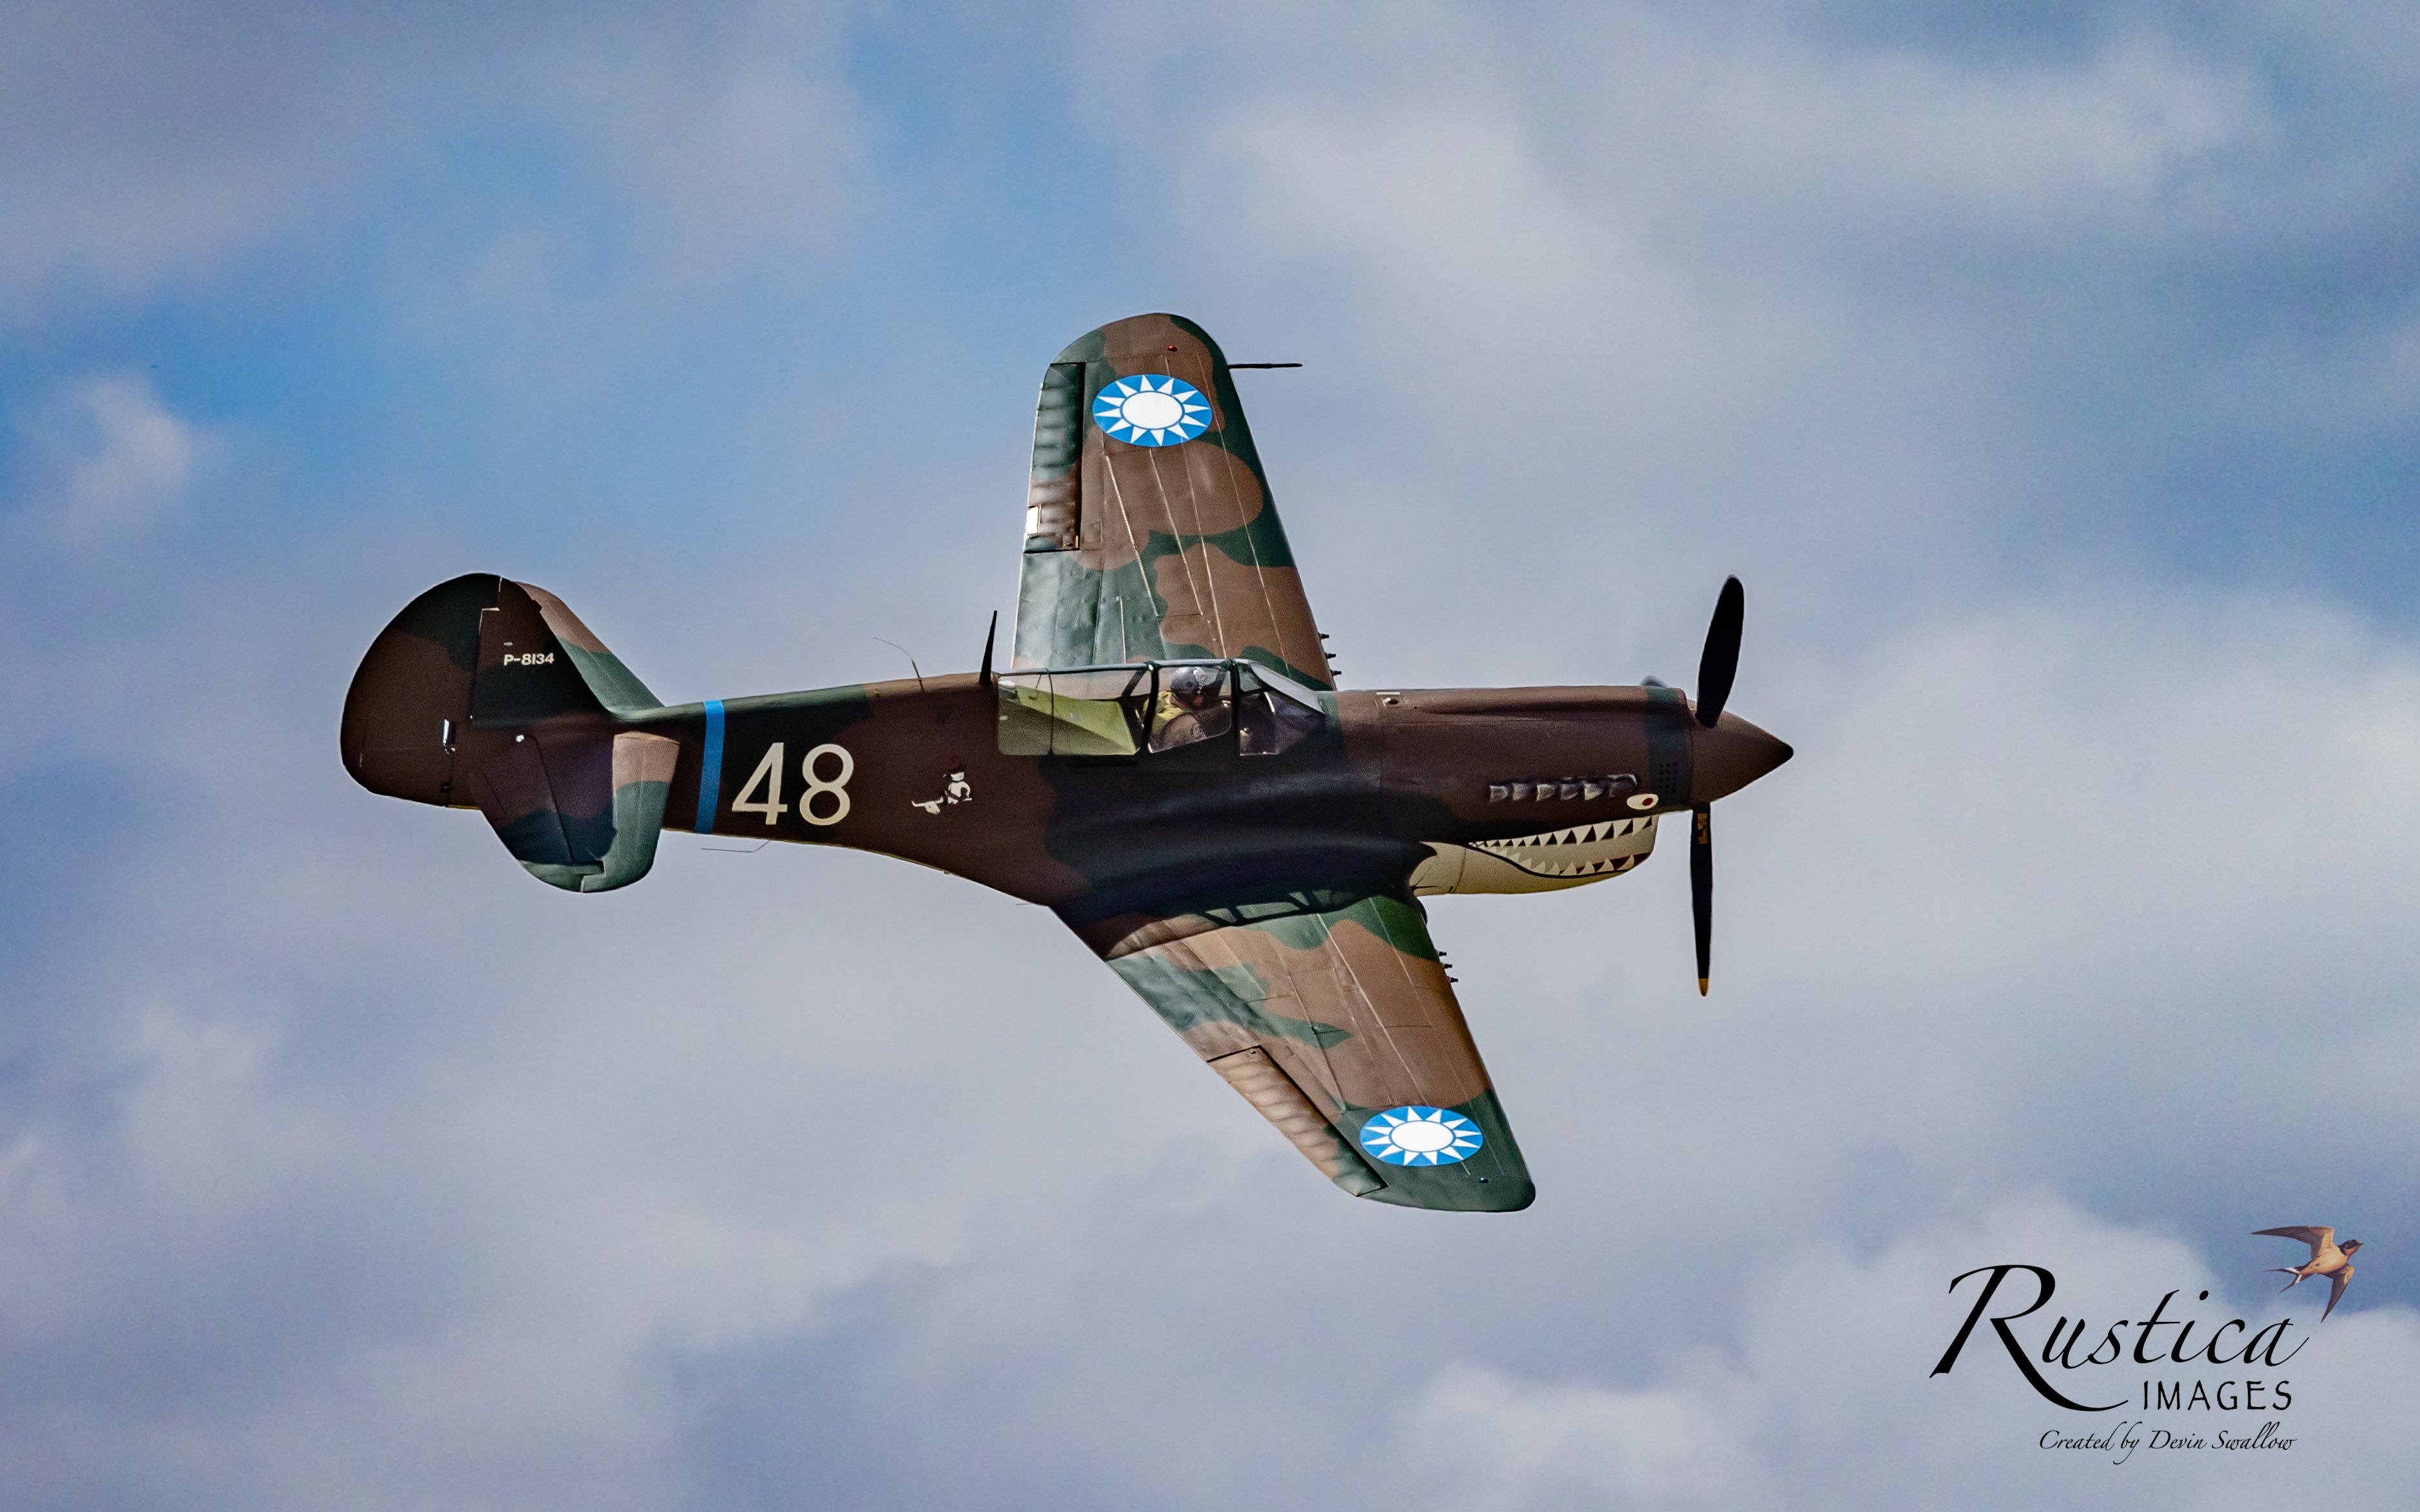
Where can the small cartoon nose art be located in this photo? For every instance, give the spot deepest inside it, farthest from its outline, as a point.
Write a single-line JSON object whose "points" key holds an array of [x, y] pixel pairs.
{"points": [[955, 789]]}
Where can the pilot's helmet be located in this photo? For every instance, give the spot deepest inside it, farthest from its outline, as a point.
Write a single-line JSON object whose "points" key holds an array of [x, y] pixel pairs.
{"points": [[1192, 686]]}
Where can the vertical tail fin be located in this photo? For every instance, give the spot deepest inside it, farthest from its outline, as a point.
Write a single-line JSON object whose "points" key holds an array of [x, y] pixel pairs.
{"points": [[537, 660]]}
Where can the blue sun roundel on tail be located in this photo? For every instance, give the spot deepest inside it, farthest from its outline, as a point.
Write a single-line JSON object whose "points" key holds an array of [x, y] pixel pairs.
{"points": [[1149, 410], [1417, 1135]]}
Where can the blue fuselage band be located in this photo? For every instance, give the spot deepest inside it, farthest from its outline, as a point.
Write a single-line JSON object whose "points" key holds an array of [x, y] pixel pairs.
{"points": [[709, 770]]}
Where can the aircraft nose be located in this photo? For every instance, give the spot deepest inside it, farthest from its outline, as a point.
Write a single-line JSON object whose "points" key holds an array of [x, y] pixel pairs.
{"points": [[1730, 756]]}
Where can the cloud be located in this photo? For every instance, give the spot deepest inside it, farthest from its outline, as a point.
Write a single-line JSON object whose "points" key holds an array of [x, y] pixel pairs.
{"points": [[1828, 1395], [734, 141], [1658, 1445], [1650, 129], [106, 459], [1902, 139], [152, 146], [342, 1163], [1931, 312], [805, 1169], [143, 143]]}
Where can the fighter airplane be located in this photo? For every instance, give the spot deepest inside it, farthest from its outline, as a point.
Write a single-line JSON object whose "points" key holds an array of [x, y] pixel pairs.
{"points": [[1166, 762]]}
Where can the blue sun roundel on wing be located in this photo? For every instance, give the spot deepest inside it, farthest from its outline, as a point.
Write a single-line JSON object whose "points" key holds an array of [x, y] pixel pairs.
{"points": [[1149, 410], [1418, 1135]]}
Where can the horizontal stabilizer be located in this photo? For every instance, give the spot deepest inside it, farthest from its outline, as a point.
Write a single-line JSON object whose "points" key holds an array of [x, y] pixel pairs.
{"points": [[581, 814], [489, 691]]}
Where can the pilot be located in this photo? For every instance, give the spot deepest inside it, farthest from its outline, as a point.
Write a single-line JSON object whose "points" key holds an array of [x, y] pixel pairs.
{"points": [[1192, 708]]}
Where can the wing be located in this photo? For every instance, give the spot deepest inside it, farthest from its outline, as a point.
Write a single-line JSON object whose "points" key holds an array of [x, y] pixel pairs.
{"points": [[1332, 1016], [2335, 1292], [2318, 1238], [1149, 529]]}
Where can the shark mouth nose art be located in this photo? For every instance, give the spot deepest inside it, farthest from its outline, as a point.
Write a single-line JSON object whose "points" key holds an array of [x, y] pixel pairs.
{"points": [[1582, 851]]}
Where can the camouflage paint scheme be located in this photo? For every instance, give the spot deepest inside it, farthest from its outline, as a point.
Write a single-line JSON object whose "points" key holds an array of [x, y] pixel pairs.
{"points": [[1265, 902], [1144, 552]]}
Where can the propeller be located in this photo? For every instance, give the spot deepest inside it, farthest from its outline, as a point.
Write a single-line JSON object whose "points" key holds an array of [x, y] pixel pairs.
{"points": [[1701, 888], [1719, 662], [1717, 666]]}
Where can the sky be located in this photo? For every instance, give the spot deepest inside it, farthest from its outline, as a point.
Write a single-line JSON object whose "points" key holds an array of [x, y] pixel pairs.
{"points": [[2049, 373]]}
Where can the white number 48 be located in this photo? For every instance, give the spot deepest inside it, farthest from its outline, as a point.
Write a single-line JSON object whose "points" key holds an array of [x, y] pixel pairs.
{"points": [[767, 776]]}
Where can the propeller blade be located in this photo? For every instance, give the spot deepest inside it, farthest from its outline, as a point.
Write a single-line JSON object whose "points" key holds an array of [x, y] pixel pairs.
{"points": [[1701, 887], [1719, 664]]}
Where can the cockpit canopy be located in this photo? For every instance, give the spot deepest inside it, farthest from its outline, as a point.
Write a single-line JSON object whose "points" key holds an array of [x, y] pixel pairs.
{"points": [[1137, 707]]}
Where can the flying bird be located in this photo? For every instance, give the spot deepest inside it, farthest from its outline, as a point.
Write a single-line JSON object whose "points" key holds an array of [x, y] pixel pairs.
{"points": [[2328, 1259]]}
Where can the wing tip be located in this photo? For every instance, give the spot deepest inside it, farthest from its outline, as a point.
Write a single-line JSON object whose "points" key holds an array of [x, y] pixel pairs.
{"points": [[1500, 1194]]}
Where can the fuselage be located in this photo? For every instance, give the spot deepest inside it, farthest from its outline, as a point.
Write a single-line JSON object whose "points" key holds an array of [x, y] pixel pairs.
{"points": [[1447, 789]]}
